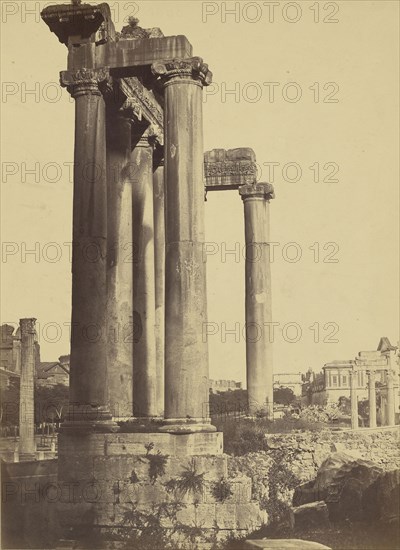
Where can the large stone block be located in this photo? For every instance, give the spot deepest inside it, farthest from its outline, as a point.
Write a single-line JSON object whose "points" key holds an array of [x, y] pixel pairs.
{"points": [[249, 516], [312, 515], [284, 544]]}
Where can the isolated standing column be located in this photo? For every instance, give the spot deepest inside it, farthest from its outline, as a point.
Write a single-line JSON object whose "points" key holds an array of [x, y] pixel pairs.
{"points": [[186, 354], [353, 399], [259, 367], [26, 401], [88, 371], [372, 398], [390, 414]]}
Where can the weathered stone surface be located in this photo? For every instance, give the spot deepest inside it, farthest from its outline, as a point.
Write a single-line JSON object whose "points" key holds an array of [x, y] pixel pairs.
{"points": [[284, 544], [314, 514], [381, 499], [318, 489], [126, 53], [228, 169], [345, 498]]}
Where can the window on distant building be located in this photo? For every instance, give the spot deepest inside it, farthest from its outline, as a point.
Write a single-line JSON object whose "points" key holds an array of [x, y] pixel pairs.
{"points": [[334, 380], [344, 380]]}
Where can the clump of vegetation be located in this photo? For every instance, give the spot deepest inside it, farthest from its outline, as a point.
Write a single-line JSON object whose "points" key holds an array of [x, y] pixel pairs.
{"points": [[190, 481], [281, 482], [157, 463], [222, 490]]}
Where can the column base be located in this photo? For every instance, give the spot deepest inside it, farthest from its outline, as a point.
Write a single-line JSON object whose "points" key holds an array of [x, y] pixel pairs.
{"points": [[187, 426]]}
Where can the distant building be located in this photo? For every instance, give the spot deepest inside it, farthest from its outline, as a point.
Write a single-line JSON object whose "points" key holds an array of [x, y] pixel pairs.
{"points": [[10, 349], [334, 380], [46, 373], [53, 373], [224, 385], [292, 380]]}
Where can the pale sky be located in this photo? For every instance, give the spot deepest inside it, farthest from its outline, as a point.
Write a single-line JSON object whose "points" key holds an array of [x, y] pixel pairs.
{"points": [[334, 109]]}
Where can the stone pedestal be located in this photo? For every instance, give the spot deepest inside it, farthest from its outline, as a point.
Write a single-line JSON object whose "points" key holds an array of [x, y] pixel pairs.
{"points": [[159, 261], [110, 483], [186, 354], [259, 369], [390, 414], [372, 398], [88, 370], [144, 341], [26, 447], [119, 264], [353, 399]]}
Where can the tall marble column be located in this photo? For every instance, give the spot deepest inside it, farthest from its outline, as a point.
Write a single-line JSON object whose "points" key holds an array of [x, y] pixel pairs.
{"points": [[159, 260], [144, 341], [390, 414], [119, 262], [26, 446], [88, 372], [186, 352], [259, 368], [353, 399], [372, 398]]}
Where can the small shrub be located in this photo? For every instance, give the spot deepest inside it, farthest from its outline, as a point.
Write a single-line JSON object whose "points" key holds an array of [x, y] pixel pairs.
{"points": [[222, 490], [189, 482]]}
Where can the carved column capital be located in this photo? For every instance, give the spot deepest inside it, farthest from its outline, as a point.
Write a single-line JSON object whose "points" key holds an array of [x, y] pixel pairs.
{"points": [[28, 325], [130, 110], [192, 70], [257, 191], [86, 81]]}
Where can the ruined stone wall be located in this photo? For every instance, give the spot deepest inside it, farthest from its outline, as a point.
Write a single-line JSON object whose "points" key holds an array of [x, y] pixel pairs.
{"points": [[303, 453]]}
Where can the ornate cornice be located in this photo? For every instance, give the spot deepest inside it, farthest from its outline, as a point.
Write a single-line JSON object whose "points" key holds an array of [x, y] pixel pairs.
{"points": [[85, 81], [143, 104], [257, 190], [76, 24], [229, 169], [175, 70]]}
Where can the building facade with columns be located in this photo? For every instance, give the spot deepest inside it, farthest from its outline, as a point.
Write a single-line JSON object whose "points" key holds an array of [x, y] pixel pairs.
{"points": [[360, 377]]}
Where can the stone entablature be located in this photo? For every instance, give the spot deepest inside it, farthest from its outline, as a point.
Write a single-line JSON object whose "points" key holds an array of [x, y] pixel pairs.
{"points": [[229, 169]]}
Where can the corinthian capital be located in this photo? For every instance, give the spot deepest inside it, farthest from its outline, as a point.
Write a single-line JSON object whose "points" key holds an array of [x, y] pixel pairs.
{"points": [[257, 190], [177, 69], [28, 325], [85, 81]]}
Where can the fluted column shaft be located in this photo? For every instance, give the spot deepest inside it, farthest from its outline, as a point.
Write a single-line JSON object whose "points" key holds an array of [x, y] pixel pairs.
{"points": [[186, 352], [372, 398], [26, 401], [88, 370], [259, 367]]}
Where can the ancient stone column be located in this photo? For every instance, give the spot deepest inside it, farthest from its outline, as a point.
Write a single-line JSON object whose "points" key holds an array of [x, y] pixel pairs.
{"points": [[372, 398], [186, 352], [144, 341], [119, 262], [88, 370], [353, 399], [159, 261], [27, 384], [390, 414], [259, 369]]}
